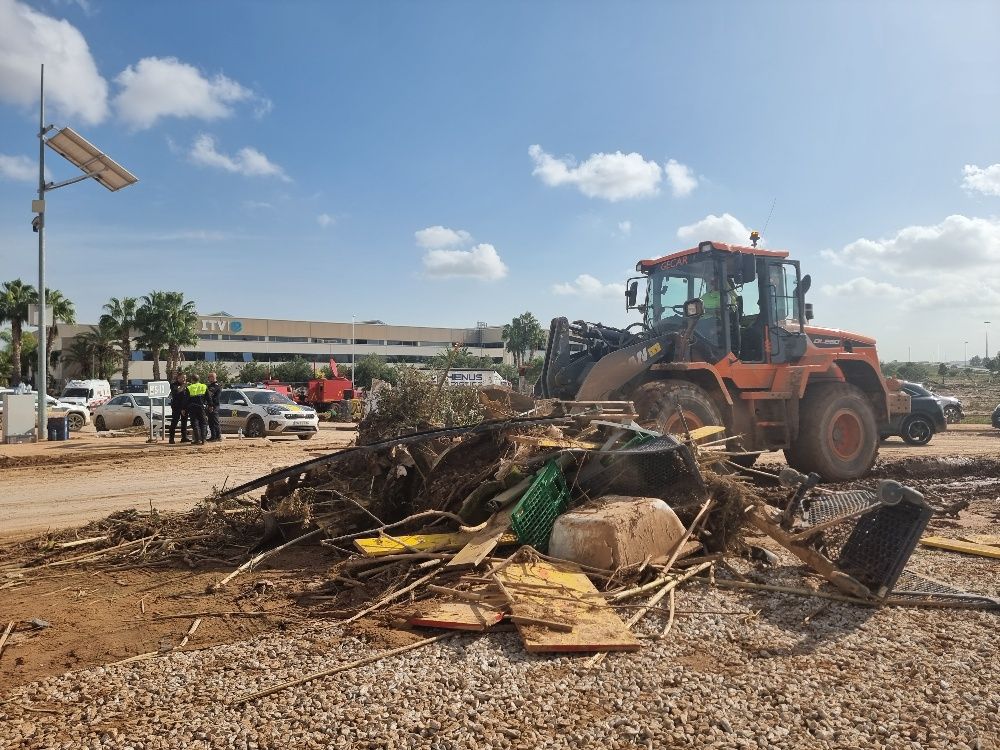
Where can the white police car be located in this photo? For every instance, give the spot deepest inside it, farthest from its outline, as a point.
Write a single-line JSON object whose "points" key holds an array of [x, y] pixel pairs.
{"points": [[260, 412]]}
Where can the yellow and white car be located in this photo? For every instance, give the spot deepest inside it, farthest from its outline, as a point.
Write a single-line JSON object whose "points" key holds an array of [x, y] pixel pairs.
{"points": [[260, 412]]}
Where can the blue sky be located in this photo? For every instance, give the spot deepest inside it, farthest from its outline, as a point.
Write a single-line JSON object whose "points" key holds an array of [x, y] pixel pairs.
{"points": [[318, 160]]}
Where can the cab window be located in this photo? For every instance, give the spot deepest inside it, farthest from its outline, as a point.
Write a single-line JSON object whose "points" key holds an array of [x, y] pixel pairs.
{"points": [[228, 397], [119, 401], [783, 292]]}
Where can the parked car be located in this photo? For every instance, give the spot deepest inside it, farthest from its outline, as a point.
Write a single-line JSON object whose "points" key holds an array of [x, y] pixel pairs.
{"points": [[260, 412], [128, 410], [952, 406], [926, 417], [995, 419], [78, 416]]}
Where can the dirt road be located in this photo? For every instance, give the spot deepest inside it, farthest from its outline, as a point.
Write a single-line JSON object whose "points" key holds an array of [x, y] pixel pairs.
{"points": [[61, 484]]}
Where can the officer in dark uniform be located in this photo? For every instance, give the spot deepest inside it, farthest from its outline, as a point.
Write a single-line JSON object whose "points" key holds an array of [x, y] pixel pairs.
{"points": [[212, 408], [178, 408], [196, 409]]}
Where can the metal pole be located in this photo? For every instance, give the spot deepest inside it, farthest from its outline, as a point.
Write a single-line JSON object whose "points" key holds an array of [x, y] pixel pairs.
{"points": [[965, 356], [41, 386], [987, 324], [354, 344]]}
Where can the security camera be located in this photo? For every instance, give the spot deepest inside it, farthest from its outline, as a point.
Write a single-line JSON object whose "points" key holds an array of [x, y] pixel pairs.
{"points": [[35, 223]]}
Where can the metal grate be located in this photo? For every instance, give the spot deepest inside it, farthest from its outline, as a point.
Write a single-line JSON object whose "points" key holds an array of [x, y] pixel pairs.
{"points": [[837, 504], [913, 585], [650, 468], [882, 541]]}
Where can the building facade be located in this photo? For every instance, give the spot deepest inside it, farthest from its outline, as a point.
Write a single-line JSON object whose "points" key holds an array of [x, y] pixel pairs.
{"points": [[233, 341]]}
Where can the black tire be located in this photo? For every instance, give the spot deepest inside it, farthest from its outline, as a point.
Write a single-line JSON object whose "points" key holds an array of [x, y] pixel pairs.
{"points": [[661, 402], [255, 427], [75, 421], [99, 424], [307, 435], [916, 430], [838, 437], [138, 422], [952, 414]]}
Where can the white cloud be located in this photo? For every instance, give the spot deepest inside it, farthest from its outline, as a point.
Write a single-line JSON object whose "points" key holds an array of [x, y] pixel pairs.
{"points": [[586, 285], [325, 220], [247, 161], [625, 228], [159, 87], [613, 177], [72, 83], [725, 228], [862, 286], [959, 243], [481, 262], [681, 178], [439, 237], [984, 180], [258, 205], [19, 168]]}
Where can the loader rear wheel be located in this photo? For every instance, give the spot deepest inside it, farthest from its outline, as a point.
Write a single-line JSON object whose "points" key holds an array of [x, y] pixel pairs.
{"points": [[662, 402], [838, 437]]}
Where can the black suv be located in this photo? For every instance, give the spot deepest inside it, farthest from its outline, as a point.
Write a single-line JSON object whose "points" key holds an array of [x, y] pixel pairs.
{"points": [[925, 418]]}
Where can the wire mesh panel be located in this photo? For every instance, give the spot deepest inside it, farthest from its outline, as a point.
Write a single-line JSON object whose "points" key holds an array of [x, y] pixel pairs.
{"points": [[837, 504], [916, 586], [651, 468], [882, 541]]}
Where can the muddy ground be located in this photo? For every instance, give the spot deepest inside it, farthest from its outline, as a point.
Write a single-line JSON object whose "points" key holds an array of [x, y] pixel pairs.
{"points": [[98, 614]]}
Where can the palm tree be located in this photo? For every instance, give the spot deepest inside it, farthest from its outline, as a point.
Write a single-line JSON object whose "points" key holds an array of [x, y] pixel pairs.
{"points": [[81, 354], [62, 312], [15, 296], [151, 321], [120, 315], [181, 320], [102, 346], [523, 334]]}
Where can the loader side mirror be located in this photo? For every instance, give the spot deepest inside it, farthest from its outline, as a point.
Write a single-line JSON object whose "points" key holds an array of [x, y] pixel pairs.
{"points": [[809, 311], [631, 293], [748, 268], [806, 283]]}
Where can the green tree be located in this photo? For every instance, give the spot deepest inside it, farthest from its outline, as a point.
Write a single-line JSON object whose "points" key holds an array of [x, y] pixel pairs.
{"points": [[459, 359], [167, 322], [975, 361], [62, 312], [96, 352], [523, 337], [15, 296], [253, 372], [534, 370], [29, 350], [373, 367], [297, 370], [120, 317], [202, 369]]}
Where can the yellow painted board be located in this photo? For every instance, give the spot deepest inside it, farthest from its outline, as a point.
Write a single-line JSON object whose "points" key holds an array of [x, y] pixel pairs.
{"points": [[561, 593], [700, 433], [378, 546], [549, 442], [991, 540], [955, 545]]}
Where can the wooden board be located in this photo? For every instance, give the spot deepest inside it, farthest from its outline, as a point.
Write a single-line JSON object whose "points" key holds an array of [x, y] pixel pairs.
{"points": [[379, 546], [549, 442], [560, 593], [485, 541], [954, 545], [991, 540], [700, 433], [455, 616]]}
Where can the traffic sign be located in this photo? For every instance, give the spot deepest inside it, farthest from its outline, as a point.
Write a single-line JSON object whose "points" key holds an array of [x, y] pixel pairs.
{"points": [[158, 389]]}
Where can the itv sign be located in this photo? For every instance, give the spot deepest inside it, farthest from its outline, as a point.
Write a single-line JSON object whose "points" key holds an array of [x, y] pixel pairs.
{"points": [[220, 325]]}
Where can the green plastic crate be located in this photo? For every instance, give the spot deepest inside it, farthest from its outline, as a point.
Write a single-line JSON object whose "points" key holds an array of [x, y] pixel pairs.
{"points": [[538, 508]]}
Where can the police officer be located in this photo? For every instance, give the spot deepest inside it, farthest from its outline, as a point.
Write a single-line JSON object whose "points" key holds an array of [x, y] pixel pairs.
{"points": [[178, 407], [212, 407], [196, 409]]}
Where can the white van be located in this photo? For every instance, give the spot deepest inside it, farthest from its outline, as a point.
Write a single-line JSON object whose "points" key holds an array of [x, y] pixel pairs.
{"points": [[89, 393]]}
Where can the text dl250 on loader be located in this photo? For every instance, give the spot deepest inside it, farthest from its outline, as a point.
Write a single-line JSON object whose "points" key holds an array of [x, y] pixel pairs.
{"points": [[724, 340]]}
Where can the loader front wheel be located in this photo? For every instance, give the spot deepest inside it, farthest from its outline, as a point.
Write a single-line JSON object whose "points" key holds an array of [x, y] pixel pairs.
{"points": [[838, 437], [662, 402]]}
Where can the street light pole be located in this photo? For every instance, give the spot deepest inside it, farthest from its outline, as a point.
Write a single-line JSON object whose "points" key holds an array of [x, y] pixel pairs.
{"points": [[41, 386], [354, 345], [987, 324], [965, 358]]}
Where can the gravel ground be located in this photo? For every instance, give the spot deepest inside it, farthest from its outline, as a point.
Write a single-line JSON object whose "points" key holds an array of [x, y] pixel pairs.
{"points": [[851, 678]]}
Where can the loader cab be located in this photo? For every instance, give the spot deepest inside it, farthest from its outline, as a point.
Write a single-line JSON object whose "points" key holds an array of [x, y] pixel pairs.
{"points": [[752, 299]]}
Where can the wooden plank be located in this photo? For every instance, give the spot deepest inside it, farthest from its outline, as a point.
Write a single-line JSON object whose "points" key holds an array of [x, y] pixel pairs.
{"points": [[541, 590], [485, 541], [700, 433], [954, 545], [550, 442], [991, 540], [379, 546], [456, 616]]}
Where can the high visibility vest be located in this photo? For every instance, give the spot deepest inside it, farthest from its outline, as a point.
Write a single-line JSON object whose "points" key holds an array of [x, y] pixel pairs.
{"points": [[197, 389]]}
